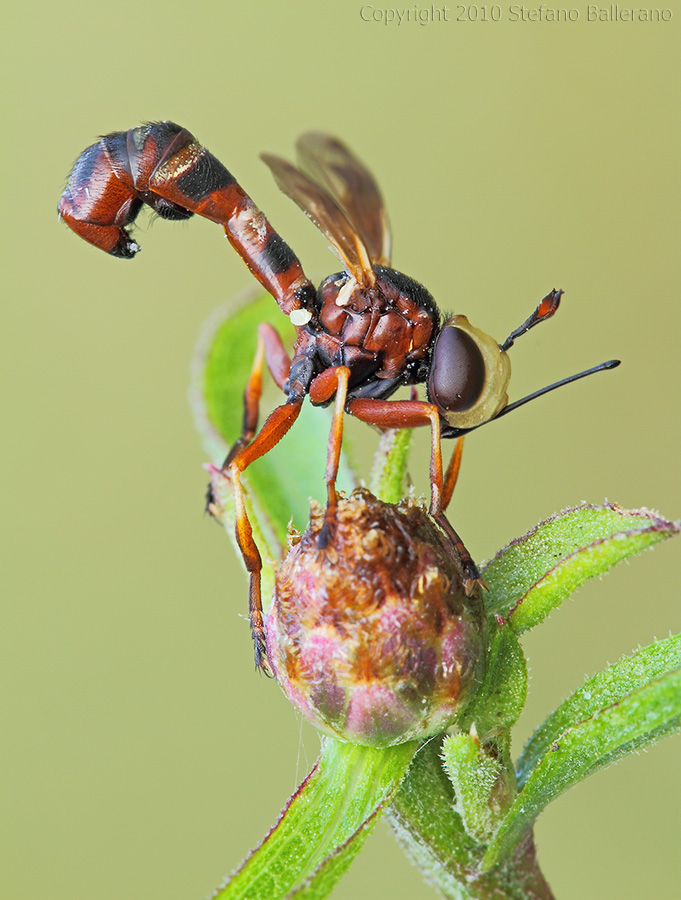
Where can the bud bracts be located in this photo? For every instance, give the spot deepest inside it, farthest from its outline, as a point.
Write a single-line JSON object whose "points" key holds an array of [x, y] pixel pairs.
{"points": [[372, 638]]}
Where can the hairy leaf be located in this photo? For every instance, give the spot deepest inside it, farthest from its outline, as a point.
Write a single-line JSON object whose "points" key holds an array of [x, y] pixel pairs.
{"points": [[624, 708], [474, 775], [535, 573], [600, 692]]}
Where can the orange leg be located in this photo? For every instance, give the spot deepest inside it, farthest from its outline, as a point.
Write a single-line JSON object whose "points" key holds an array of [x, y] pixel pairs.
{"points": [[270, 350], [270, 434], [246, 450], [252, 393], [411, 414], [452, 473], [334, 380], [408, 414]]}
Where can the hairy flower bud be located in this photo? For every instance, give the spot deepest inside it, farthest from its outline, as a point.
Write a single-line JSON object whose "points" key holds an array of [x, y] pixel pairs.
{"points": [[373, 638]]}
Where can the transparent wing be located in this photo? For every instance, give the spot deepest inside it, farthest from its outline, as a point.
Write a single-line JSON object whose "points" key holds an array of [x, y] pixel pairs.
{"points": [[332, 165], [327, 214]]}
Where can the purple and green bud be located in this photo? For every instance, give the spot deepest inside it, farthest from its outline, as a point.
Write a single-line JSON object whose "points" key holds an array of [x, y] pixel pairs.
{"points": [[372, 638]]}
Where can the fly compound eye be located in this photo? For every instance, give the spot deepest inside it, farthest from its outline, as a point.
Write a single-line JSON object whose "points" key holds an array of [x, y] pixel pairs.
{"points": [[457, 375], [469, 375]]}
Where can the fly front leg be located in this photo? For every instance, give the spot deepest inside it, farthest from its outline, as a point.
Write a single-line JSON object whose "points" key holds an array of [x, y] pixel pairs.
{"points": [[412, 414], [334, 380], [252, 394]]}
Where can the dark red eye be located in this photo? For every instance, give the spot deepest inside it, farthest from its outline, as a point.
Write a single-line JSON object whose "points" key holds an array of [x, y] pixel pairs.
{"points": [[457, 375]]}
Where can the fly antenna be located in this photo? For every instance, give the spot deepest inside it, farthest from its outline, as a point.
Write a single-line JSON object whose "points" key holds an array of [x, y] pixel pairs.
{"points": [[545, 310], [609, 364]]}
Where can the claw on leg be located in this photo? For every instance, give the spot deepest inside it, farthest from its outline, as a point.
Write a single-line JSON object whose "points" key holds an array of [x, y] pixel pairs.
{"points": [[470, 575], [258, 627]]}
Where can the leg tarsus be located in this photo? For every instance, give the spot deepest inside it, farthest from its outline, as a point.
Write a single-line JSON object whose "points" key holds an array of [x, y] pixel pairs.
{"points": [[209, 504], [258, 625], [328, 529], [470, 575], [253, 563]]}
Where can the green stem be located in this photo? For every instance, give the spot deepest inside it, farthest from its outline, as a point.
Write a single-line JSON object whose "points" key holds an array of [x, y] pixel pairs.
{"points": [[432, 833], [389, 476]]}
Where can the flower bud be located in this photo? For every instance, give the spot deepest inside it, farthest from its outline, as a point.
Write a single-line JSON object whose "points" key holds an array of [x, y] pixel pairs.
{"points": [[372, 638]]}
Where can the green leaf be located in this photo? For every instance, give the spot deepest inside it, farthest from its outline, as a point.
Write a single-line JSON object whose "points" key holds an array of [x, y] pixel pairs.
{"points": [[280, 483], [605, 689], [624, 708], [327, 875], [324, 824], [535, 573], [222, 364]]}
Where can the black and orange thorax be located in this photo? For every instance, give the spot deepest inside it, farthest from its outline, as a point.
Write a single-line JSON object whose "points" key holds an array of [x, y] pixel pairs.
{"points": [[384, 334]]}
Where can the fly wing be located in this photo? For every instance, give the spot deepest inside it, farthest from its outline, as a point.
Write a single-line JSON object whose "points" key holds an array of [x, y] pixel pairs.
{"points": [[331, 164], [327, 214]]}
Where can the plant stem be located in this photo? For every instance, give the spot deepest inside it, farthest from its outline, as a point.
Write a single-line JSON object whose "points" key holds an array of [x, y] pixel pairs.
{"points": [[432, 833]]}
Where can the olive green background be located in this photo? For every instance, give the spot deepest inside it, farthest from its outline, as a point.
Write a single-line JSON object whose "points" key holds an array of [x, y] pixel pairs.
{"points": [[143, 755]]}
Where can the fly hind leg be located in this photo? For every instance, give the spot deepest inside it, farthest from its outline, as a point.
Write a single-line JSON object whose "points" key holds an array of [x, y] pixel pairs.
{"points": [[412, 414]]}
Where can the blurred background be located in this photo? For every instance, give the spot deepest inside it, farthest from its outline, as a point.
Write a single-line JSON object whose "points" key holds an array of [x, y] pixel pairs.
{"points": [[144, 757]]}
